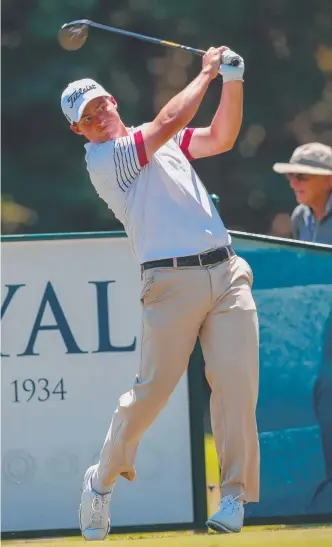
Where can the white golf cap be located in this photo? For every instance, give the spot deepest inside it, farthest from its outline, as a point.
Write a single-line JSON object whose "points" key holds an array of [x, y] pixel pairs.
{"points": [[77, 95]]}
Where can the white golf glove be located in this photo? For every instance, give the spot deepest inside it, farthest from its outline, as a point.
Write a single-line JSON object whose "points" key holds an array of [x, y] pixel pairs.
{"points": [[229, 72]]}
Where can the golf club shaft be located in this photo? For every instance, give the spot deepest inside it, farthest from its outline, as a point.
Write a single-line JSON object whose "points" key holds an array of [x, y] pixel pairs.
{"points": [[147, 38], [166, 43]]}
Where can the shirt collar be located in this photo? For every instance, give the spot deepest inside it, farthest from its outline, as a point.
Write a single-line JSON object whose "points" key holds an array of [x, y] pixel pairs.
{"points": [[328, 208], [88, 144]]}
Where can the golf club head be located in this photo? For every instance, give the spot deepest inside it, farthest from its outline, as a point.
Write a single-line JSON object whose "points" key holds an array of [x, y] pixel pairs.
{"points": [[72, 36]]}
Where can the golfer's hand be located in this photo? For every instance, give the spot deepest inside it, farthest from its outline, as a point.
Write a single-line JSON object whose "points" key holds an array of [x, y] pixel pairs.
{"points": [[229, 72], [212, 60]]}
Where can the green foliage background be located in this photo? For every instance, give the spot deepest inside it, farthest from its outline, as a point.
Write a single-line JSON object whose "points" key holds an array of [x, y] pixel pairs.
{"points": [[287, 47]]}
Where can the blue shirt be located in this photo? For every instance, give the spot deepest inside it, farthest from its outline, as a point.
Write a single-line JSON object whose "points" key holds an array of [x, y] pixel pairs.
{"points": [[307, 228]]}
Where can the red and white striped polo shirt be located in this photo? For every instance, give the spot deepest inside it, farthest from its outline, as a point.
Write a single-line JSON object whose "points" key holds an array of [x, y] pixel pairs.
{"points": [[164, 207]]}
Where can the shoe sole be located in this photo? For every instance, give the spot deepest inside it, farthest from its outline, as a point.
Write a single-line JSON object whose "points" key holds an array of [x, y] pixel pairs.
{"points": [[217, 527]]}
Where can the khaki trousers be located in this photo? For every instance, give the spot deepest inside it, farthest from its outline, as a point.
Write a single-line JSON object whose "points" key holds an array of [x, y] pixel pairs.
{"points": [[179, 304]]}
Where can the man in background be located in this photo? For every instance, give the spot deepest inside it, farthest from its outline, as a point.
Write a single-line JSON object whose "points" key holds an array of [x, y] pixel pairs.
{"points": [[309, 173]]}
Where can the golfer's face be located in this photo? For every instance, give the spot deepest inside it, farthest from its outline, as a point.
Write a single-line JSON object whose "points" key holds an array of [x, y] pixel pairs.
{"points": [[100, 119]]}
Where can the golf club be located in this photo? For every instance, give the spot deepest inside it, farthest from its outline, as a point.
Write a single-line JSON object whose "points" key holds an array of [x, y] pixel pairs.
{"points": [[73, 35]]}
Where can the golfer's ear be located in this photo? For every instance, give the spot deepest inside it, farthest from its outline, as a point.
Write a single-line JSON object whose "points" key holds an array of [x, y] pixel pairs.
{"points": [[75, 129], [114, 102]]}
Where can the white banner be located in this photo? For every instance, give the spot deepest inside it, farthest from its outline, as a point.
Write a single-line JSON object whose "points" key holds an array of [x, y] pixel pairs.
{"points": [[71, 346]]}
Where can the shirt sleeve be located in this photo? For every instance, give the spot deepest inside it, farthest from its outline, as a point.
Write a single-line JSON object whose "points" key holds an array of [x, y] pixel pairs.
{"points": [[118, 162], [129, 158], [183, 138]]}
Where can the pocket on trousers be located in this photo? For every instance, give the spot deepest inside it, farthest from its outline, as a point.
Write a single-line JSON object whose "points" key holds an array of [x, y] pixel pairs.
{"points": [[248, 271], [147, 282], [156, 285]]}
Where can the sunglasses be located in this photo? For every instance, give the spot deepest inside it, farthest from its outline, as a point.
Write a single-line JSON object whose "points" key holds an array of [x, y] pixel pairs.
{"points": [[297, 176]]}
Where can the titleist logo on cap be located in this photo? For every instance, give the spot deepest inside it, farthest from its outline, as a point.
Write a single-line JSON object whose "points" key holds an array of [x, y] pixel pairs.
{"points": [[78, 92]]}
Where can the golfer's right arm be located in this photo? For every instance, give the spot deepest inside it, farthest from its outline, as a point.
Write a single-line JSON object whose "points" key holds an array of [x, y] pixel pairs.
{"points": [[180, 110]]}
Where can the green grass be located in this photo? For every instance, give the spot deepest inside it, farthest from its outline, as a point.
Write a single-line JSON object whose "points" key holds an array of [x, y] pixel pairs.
{"points": [[273, 536]]}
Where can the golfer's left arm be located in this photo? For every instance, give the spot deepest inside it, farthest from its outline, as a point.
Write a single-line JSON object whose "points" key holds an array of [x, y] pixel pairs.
{"points": [[221, 135]]}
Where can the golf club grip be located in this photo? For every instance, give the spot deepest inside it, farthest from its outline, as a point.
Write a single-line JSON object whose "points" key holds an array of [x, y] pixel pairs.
{"points": [[166, 43], [200, 52]]}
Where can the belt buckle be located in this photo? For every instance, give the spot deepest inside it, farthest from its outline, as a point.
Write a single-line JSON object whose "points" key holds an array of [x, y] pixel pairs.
{"points": [[200, 260]]}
